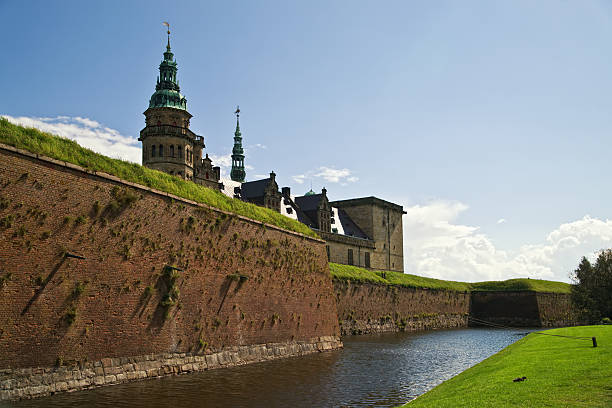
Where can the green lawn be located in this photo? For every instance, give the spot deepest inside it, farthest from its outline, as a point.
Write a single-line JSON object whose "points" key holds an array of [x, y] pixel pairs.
{"points": [[63, 149], [357, 274], [560, 372]]}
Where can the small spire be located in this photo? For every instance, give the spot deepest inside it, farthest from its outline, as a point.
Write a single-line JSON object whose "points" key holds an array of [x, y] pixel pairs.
{"points": [[237, 113], [167, 25]]}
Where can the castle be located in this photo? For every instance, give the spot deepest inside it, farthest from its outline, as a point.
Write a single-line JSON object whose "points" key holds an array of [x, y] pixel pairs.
{"points": [[365, 232]]}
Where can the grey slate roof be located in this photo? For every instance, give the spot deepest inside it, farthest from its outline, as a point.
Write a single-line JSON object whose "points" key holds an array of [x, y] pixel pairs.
{"points": [[254, 189], [350, 228], [309, 202]]}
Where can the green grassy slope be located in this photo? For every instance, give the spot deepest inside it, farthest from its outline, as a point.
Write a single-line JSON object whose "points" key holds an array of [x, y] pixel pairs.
{"points": [[69, 151], [535, 285], [354, 273], [560, 372]]}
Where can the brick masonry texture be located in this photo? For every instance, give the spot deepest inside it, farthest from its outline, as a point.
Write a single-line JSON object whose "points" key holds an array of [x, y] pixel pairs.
{"points": [[241, 282], [526, 309], [369, 308]]}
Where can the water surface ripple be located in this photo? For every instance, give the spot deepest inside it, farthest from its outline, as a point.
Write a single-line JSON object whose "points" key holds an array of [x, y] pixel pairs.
{"points": [[383, 370]]}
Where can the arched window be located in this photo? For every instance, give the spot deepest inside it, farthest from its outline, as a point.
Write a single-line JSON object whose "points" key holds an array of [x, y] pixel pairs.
{"points": [[153, 151], [161, 150], [171, 150]]}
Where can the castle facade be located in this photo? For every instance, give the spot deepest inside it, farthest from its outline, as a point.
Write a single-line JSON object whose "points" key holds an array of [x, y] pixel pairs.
{"points": [[365, 232]]}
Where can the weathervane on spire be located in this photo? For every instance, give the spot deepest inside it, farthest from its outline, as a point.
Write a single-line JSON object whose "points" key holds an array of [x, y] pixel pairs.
{"points": [[237, 113], [167, 25]]}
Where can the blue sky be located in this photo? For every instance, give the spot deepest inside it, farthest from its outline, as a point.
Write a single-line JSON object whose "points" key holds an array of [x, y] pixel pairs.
{"points": [[489, 122]]}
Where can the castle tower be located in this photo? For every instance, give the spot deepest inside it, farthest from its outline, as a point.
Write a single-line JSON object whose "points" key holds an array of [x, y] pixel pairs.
{"points": [[238, 173], [167, 143]]}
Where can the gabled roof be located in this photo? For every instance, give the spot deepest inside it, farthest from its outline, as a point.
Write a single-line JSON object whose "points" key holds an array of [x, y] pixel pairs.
{"points": [[254, 189], [349, 226], [305, 219], [309, 202]]}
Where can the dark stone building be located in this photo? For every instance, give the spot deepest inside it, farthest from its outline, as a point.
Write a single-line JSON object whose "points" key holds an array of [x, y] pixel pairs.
{"points": [[364, 232], [381, 221], [261, 192]]}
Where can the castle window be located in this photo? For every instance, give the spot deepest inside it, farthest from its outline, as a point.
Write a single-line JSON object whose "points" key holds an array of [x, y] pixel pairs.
{"points": [[161, 150], [327, 249], [180, 151], [172, 150], [153, 151], [367, 259], [159, 123], [206, 175], [350, 257]]}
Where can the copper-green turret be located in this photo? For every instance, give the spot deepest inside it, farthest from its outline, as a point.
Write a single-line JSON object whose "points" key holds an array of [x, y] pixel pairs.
{"points": [[238, 173], [167, 91]]}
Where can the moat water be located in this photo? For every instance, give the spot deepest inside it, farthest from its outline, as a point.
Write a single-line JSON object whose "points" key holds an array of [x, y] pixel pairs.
{"points": [[383, 370]]}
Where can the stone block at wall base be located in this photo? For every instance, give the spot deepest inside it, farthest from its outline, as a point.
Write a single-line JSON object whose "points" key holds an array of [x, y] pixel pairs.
{"points": [[26, 383]]}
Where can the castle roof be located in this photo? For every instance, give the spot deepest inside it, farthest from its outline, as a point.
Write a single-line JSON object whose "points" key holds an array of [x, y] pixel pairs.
{"points": [[309, 202], [253, 189], [167, 92]]}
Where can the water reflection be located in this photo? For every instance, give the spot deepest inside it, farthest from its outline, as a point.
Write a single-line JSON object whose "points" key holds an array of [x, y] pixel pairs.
{"points": [[382, 370]]}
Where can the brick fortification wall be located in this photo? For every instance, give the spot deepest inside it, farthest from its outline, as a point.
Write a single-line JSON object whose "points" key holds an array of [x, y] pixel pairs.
{"points": [[523, 309], [241, 283], [556, 310], [370, 308]]}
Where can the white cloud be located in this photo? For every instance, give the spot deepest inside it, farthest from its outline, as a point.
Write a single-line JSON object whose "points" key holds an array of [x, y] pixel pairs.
{"points": [[299, 178], [329, 174], [86, 132], [501, 221], [436, 246]]}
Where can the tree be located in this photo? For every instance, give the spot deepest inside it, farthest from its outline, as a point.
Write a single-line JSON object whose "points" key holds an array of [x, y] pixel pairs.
{"points": [[592, 289]]}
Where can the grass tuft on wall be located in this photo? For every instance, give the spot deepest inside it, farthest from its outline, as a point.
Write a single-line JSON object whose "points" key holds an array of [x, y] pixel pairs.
{"points": [[59, 148]]}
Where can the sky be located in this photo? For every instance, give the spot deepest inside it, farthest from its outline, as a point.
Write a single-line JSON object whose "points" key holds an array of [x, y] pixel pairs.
{"points": [[489, 122]]}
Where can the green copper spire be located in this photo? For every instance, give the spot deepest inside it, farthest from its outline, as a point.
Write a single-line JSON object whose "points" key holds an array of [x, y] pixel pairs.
{"points": [[238, 173], [167, 91]]}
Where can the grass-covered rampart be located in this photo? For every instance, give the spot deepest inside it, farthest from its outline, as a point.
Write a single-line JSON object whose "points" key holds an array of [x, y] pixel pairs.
{"points": [[559, 371], [59, 148], [356, 274]]}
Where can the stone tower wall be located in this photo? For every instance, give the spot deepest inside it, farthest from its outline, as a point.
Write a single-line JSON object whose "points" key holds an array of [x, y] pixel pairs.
{"points": [[384, 226]]}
